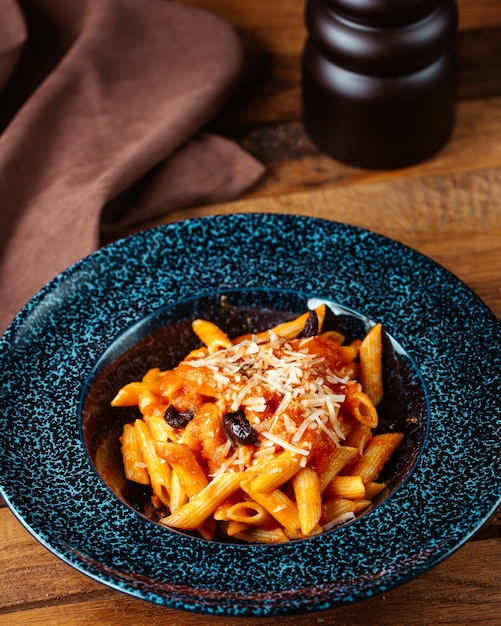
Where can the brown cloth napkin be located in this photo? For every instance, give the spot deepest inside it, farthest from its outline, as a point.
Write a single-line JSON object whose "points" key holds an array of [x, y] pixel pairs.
{"points": [[103, 105]]}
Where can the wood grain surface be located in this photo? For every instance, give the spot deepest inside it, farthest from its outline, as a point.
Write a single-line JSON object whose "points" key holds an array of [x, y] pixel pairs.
{"points": [[449, 208], [464, 589]]}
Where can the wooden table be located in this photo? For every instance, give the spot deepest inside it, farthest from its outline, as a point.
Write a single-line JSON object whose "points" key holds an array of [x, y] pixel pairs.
{"points": [[448, 208]]}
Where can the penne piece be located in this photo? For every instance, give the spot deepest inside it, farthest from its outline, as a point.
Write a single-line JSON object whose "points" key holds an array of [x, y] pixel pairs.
{"points": [[130, 394], [306, 485], [371, 371], [292, 328], [158, 470], [351, 487], [359, 437], [134, 464], [192, 514], [341, 456], [178, 496], [363, 409], [378, 451], [234, 529], [160, 430], [250, 513], [182, 459], [262, 535], [211, 335], [279, 505], [277, 471], [373, 489], [340, 510]]}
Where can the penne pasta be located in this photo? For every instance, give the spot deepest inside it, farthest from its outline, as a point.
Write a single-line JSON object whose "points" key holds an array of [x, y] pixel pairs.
{"points": [[277, 471], [199, 508], [130, 394], [250, 513], [340, 510], [337, 461], [178, 496], [182, 460], [292, 328], [306, 485], [378, 451], [236, 529], [351, 487], [265, 438], [371, 370], [134, 464], [212, 336], [207, 529], [359, 437], [362, 408], [159, 471], [372, 489], [160, 430], [279, 505], [262, 535]]}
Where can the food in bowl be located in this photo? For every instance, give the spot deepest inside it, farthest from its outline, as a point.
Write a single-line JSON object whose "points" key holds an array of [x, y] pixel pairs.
{"points": [[267, 437]]}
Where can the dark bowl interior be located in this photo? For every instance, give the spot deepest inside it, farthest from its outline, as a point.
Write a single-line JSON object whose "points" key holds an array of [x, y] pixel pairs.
{"points": [[165, 337]]}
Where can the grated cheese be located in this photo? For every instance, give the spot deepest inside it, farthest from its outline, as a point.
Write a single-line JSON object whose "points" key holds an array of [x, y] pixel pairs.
{"points": [[289, 424], [342, 519], [226, 448], [285, 444], [264, 451], [250, 371]]}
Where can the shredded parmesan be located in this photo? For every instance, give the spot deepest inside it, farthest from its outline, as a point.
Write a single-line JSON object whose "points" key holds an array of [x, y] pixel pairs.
{"points": [[226, 448], [339, 521], [264, 451], [249, 372], [285, 444]]}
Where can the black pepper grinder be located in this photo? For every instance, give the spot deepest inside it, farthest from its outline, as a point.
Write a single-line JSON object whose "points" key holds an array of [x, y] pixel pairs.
{"points": [[379, 79]]}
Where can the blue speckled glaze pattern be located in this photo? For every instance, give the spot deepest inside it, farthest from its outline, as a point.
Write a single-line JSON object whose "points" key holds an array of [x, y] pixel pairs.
{"points": [[51, 348]]}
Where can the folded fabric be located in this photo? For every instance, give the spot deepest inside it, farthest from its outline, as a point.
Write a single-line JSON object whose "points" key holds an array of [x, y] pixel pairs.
{"points": [[103, 114], [12, 39]]}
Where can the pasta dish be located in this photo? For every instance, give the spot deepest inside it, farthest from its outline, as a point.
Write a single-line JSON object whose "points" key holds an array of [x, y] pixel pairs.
{"points": [[265, 438]]}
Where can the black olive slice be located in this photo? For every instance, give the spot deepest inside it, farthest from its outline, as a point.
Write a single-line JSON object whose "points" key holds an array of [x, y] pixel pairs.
{"points": [[238, 429], [176, 419], [310, 328]]}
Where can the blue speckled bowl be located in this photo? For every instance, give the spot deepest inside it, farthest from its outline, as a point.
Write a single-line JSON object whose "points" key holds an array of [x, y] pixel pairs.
{"points": [[61, 343]]}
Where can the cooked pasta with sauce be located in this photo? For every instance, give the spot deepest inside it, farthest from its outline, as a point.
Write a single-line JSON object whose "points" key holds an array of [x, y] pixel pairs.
{"points": [[265, 438]]}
